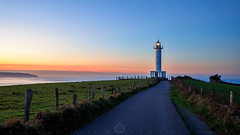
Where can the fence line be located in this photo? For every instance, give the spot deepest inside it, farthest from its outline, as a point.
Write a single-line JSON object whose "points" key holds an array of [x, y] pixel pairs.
{"points": [[130, 77], [133, 86], [183, 86]]}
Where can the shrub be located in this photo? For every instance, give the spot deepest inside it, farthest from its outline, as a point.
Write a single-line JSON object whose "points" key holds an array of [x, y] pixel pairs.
{"points": [[48, 122], [215, 78], [12, 127]]}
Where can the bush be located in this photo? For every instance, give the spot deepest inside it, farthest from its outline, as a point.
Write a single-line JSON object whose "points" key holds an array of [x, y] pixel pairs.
{"points": [[48, 122], [215, 78], [15, 127]]}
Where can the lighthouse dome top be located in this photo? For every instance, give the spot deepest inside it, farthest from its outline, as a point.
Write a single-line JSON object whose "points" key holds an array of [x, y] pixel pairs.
{"points": [[158, 43]]}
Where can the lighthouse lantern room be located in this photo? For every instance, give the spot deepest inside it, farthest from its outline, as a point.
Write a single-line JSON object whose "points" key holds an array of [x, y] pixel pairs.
{"points": [[158, 73]]}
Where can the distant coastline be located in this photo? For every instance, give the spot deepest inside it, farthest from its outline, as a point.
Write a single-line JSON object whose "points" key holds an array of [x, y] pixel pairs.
{"points": [[72, 76], [230, 83], [17, 75]]}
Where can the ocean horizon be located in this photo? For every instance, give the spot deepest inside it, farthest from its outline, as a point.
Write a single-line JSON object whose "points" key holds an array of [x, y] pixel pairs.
{"points": [[8, 81]]}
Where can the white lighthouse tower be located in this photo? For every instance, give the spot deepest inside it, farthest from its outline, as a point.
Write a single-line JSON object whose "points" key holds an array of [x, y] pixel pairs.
{"points": [[158, 73]]}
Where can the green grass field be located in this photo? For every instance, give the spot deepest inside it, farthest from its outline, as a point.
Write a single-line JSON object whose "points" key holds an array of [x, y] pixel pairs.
{"points": [[12, 97], [221, 90], [197, 107], [221, 119]]}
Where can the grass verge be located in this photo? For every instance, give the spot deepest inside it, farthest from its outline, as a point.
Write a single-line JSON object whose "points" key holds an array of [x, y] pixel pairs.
{"points": [[222, 118]]}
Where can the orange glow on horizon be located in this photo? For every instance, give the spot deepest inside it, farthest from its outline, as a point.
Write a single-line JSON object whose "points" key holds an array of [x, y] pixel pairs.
{"points": [[91, 68], [170, 67]]}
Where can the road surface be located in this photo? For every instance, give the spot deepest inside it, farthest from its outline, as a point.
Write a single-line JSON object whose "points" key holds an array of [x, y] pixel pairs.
{"points": [[150, 112]]}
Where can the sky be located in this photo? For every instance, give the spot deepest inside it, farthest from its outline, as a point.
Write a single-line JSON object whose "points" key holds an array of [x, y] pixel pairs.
{"points": [[198, 37]]}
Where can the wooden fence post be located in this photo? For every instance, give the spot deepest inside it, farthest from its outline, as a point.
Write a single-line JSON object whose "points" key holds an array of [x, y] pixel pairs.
{"points": [[213, 92], [74, 99], [102, 92], [181, 86], [93, 89], [202, 91], [194, 90], [112, 89], [116, 89], [189, 89], [28, 99], [231, 98], [57, 98], [89, 93]]}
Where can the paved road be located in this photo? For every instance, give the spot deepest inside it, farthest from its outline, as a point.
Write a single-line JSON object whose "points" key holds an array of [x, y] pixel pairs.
{"points": [[150, 112]]}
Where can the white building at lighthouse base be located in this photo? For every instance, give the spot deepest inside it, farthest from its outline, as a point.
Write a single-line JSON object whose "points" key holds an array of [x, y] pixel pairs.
{"points": [[158, 74]]}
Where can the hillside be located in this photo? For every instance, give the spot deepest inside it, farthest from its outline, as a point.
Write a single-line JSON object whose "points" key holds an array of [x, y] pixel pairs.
{"points": [[10, 74], [222, 90]]}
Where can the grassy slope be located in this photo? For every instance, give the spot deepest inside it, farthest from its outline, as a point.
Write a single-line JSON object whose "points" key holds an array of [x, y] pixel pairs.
{"points": [[196, 108], [204, 108], [12, 105], [222, 90]]}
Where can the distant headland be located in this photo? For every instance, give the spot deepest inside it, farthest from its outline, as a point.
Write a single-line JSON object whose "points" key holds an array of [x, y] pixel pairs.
{"points": [[18, 75]]}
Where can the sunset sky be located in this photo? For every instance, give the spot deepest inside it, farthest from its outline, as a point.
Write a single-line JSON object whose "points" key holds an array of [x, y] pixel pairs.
{"points": [[199, 37]]}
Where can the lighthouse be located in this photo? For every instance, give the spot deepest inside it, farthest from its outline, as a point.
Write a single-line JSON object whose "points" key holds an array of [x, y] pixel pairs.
{"points": [[158, 73]]}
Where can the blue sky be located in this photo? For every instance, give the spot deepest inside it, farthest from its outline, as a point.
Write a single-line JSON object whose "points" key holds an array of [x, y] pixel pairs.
{"points": [[198, 36]]}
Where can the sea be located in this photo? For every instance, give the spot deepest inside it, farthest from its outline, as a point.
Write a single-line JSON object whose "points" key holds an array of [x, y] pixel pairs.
{"points": [[7, 81], [62, 76], [79, 77]]}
